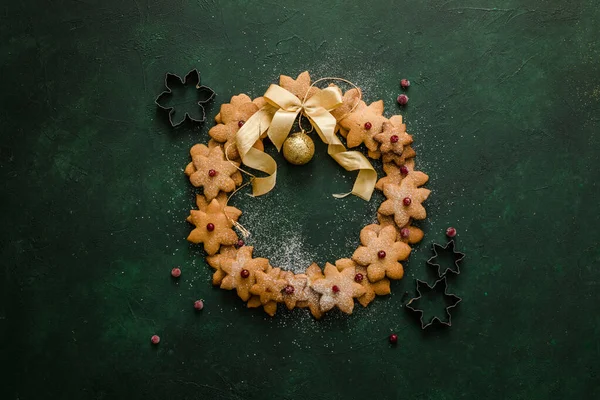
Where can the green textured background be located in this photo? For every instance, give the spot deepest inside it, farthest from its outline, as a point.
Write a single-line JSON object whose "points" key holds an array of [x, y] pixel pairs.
{"points": [[504, 108]]}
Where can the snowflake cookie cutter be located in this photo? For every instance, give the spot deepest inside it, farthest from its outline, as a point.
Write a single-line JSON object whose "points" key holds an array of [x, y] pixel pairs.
{"points": [[192, 77], [414, 307], [449, 247]]}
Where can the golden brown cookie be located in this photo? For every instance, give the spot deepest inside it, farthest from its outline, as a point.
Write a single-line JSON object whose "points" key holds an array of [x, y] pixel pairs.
{"points": [[407, 234], [221, 198], [399, 160], [215, 261], [392, 139], [213, 173], [241, 271], [363, 124], [393, 173], [350, 100], [296, 288], [232, 118], [313, 273], [404, 200], [338, 289], [269, 286], [213, 227], [380, 253], [372, 289], [299, 86], [200, 149]]}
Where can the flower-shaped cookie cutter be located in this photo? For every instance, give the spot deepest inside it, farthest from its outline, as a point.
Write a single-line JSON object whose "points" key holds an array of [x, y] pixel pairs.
{"points": [[205, 93], [448, 248], [423, 287]]}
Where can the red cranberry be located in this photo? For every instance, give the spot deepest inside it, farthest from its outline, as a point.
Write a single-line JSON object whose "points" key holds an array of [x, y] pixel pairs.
{"points": [[244, 273], [404, 170], [155, 339], [402, 99], [368, 125], [335, 289], [198, 305], [393, 338], [405, 83], [406, 201], [289, 289], [175, 272], [210, 227], [451, 232], [405, 232], [241, 123], [394, 138], [358, 277], [381, 254], [240, 243], [212, 172]]}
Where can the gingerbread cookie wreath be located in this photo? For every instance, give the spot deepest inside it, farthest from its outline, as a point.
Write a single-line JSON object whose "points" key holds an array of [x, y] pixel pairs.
{"points": [[237, 142]]}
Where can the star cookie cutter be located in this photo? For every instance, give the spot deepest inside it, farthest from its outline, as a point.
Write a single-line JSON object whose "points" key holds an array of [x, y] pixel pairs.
{"points": [[449, 247], [414, 307], [192, 77]]}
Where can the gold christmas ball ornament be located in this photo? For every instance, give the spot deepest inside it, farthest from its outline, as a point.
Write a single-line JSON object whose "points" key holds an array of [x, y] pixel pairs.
{"points": [[298, 148]]}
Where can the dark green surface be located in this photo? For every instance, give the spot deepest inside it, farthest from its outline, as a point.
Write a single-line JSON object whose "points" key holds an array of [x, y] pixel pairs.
{"points": [[504, 108]]}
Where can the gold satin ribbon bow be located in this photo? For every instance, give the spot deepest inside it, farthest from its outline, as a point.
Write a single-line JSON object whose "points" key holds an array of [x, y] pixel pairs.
{"points": [[277, 118]]}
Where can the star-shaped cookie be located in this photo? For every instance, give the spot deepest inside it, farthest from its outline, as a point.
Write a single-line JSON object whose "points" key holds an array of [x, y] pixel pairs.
{"points": [[363, 124], [404, 200], [241, 271], [314, 274], [295, 290], [202, 203], [213, 173], [213, 228], [350, 100], [407, 233], [379, 288], [300, 86], [226, 252], [392, 139], [338, 289], [380, 253], [232, 117], [269, 286], [399, 159], [393, 173]]}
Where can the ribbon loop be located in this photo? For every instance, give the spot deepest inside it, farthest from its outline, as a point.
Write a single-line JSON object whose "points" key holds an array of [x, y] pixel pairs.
{"points": [[277, 118]]}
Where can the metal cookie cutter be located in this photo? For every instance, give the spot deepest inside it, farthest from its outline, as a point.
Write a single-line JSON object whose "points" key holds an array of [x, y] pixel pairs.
{"points": [[421, 285], [449, 248], [205, 93]]}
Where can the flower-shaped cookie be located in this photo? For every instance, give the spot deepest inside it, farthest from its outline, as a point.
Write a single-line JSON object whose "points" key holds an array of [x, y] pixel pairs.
{"points": [[363, 124], [241, 271], [212, 172], [313, 273], [338, 288], [232, 117], [215, 261], [299, 86], [296, 288], [380, 253], [393, 138], [213, 227], [404, 200], [379, 288]]}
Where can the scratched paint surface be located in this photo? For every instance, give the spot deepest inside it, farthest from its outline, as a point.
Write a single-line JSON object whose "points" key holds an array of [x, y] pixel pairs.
{"points": [[504, 108]]}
